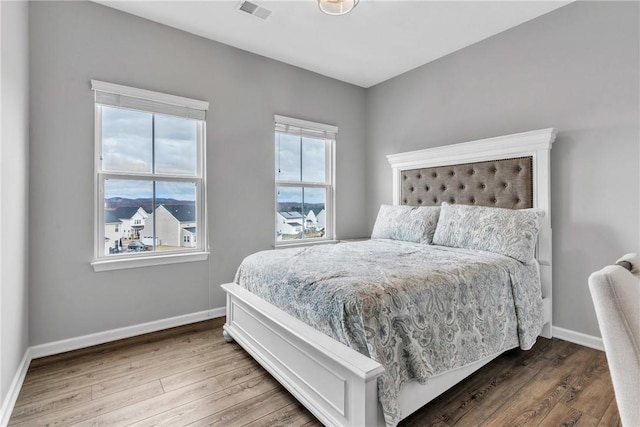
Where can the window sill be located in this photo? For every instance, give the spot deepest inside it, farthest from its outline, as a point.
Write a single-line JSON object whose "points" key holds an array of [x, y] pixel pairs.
{"points": [[301, 244], [355, 239], [124, 263]]}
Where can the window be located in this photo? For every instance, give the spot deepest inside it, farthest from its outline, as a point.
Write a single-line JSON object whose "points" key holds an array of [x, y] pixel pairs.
{"points": [[304, 180], [150, 173]]}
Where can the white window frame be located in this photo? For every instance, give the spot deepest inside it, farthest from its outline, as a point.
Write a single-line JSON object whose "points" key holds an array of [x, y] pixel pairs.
{"points": [[156, 103], [313, 130]]}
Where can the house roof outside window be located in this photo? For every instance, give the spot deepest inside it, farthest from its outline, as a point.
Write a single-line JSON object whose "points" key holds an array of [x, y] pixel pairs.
{"points": [[291, 215], [111, 218], [126, 212], [183, 213]]}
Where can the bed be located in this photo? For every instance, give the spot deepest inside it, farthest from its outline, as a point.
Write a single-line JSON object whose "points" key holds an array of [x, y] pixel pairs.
{"points": [[342, 369]]}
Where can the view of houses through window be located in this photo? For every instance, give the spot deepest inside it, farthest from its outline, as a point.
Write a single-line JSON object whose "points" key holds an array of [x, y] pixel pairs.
{"points": [[300, 213], [303, 180], [148, 214], [132, 224]]}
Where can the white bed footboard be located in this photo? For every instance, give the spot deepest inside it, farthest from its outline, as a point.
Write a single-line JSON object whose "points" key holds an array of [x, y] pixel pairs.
{"points": [[337, 384]]}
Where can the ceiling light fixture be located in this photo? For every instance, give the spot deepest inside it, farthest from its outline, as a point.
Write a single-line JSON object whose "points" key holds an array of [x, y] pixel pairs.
{"points": [[337, 7]]}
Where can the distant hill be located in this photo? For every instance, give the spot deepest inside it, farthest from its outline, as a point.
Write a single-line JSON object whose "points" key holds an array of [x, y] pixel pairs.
{"points": [[147, 204], [144, 203], [295, 207]]}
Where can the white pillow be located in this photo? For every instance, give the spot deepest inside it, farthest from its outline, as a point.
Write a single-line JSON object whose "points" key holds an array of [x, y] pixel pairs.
{"points": [[510, 232], [409, 223]]}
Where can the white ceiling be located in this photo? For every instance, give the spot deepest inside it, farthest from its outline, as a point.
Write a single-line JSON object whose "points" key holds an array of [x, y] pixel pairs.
{"points": [[378, 40]]}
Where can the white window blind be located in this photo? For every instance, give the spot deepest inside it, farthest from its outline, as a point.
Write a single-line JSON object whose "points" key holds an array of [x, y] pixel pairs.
{"points": [[114, 95], [305, 128]]}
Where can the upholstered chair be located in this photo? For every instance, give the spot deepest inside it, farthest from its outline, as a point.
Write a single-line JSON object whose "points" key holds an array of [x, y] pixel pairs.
{"points": [[616, 296]]}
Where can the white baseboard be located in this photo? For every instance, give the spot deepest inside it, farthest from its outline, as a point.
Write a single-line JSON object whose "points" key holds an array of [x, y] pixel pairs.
{"points": [[578, 338], [14, 389], [120, 333]]}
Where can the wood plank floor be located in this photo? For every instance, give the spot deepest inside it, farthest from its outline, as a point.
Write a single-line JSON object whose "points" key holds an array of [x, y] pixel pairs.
{"points": [[190, 376]]}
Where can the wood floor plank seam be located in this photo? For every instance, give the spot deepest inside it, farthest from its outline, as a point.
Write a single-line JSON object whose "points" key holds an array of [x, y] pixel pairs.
{"points": [[120, 382], [53, 364], [117, 369], [92, 408], [209, 403], [248, 407], [202, 390], [120, 351], [78, 371], [548, 385], [291, 415], [176, 332]]}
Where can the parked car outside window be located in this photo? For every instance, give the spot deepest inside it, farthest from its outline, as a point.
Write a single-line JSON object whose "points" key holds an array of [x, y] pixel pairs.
{"points": [[136, 247]]}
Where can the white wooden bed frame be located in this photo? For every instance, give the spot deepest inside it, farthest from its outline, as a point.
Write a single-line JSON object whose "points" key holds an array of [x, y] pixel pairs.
{"points": [[338, 384]]}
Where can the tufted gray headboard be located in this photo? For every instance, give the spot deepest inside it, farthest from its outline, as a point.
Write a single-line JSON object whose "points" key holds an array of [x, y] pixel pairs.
{"points": [[505, 183], [510, 171]]}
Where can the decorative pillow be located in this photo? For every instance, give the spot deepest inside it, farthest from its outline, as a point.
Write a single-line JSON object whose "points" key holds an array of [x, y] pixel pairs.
{"points": [[510, 232], [408, 223]]}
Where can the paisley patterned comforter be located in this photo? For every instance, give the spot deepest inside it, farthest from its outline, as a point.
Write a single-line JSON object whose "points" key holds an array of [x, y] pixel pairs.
{"points": [[419, 310]]}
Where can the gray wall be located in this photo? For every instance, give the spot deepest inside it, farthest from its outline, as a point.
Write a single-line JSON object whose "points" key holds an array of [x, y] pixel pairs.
{"points": [[575, 69], [13, 191], [73, 42]]}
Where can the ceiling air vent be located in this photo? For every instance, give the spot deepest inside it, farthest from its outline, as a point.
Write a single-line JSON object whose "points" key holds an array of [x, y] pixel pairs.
{"points": [[255, 10]]}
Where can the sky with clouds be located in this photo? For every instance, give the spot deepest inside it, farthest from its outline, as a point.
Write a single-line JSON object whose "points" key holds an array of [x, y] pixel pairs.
{"points": [[128, 146], [300, 159]]}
